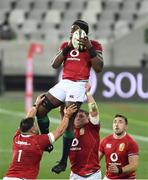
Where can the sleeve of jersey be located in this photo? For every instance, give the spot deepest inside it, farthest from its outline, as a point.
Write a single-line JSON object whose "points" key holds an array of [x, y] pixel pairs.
{"points": [[63, 45], [43, 141], [101, 146], [133, 148], [17, 132], [97, 46]]}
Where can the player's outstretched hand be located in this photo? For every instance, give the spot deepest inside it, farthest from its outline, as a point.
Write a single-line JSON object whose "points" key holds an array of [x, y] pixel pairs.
{"points": [[39, 100], [68, 112]]}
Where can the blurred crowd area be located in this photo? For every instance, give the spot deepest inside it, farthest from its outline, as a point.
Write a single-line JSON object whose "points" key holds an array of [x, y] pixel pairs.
{"points": [[120, 25]]}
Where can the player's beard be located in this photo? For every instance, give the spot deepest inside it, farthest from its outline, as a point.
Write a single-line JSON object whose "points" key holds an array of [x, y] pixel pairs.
{"points": [[121, 133]]}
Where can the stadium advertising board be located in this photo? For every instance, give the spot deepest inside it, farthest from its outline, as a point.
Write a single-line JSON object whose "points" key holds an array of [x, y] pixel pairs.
{"points": [[122, 84]]}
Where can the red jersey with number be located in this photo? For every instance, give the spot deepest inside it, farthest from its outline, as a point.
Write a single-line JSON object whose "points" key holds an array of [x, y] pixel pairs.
{"points": [[84, 150], [27, 154], [117, 151], [77, 64]]}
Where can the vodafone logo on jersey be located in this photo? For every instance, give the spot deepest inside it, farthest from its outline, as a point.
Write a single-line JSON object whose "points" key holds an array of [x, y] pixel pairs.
{"points": [[74, 146], [114, 157], [75, 142], [74, 53]]}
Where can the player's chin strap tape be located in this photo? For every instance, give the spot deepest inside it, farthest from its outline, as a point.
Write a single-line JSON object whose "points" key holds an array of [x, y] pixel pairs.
{"points": [[47, 104], [66, 51], [92, 52]]}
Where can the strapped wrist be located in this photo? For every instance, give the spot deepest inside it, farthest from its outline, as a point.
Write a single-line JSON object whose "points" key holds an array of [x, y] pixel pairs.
{"points": [[66, 51], [35, 106], [88, 93], [92, 107], [120, 170], [92, 52]]}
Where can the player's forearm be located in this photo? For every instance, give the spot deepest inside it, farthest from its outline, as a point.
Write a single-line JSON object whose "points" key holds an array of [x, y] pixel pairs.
{"points": [[129, 168], [91, 103], [61, 128], [97, 64], [32, 112], [58, 60], [93, 109], [90, 98]]}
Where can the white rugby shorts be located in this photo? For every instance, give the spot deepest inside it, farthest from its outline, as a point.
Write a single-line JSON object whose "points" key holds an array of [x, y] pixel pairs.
{"points": [[94, 176], [67, 90], [12, 178]]}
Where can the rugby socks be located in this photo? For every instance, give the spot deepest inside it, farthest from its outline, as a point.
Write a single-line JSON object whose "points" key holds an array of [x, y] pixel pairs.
{"points": [[67, 141], [43, 124]]}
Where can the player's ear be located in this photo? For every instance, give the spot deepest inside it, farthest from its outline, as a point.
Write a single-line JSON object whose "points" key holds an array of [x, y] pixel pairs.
{"points": [[126, 127]]}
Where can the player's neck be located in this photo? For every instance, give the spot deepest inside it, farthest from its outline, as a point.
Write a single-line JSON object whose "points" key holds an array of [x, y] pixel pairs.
{"points": [[119, 136], [27, 133]]}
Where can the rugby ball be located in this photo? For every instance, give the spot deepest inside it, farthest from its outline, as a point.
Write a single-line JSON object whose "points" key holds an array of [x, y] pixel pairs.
{"points": [[79, 33]]}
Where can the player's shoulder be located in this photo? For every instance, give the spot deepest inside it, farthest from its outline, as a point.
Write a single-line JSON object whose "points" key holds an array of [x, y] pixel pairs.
{"points": [[94, 41], [96, 44], [17, 133], [63, 44], [130, 139], [107, 138]]}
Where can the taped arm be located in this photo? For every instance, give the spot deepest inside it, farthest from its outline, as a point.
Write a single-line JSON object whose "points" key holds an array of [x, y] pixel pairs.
{"points": [[93, 109]]}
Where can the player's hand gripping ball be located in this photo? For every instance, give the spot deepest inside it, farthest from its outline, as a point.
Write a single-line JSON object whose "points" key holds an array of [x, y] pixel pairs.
{"points": [[79, 33]]}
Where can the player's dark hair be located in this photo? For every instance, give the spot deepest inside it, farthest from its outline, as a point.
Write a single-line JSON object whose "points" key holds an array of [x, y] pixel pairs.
{"points": [[125, 118], [26, 124], [83, 111], [82, 24]]}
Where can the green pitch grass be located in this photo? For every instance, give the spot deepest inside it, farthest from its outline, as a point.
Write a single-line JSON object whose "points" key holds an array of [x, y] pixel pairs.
{"points": [[11, 111]]}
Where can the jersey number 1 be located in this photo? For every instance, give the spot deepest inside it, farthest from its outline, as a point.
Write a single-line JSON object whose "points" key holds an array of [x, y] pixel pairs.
{"points": [[19, 155]]}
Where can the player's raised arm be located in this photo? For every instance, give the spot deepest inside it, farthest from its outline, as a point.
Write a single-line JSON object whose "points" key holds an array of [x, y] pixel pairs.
{"points": [[61, 55], [93, 108], [34, 108], [64, 123], [95, 53]]}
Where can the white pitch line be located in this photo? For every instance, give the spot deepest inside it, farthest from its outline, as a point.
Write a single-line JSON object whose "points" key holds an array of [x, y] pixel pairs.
{"points": [[56, 121]]}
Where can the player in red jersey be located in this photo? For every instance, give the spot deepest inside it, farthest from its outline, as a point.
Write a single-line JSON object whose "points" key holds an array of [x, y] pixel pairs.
{"points": [[28, 145], [83, 154], [71, 89], [120, 150]]}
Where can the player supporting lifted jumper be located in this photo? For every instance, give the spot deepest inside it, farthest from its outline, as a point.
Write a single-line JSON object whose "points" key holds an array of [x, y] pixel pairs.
{"points": [[29, 145], [83, 154], [71, 89]]}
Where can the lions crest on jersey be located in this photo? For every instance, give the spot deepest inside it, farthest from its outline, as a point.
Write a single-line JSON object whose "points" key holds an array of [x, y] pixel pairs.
{"points": [[82, 131], [121, 147]]}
